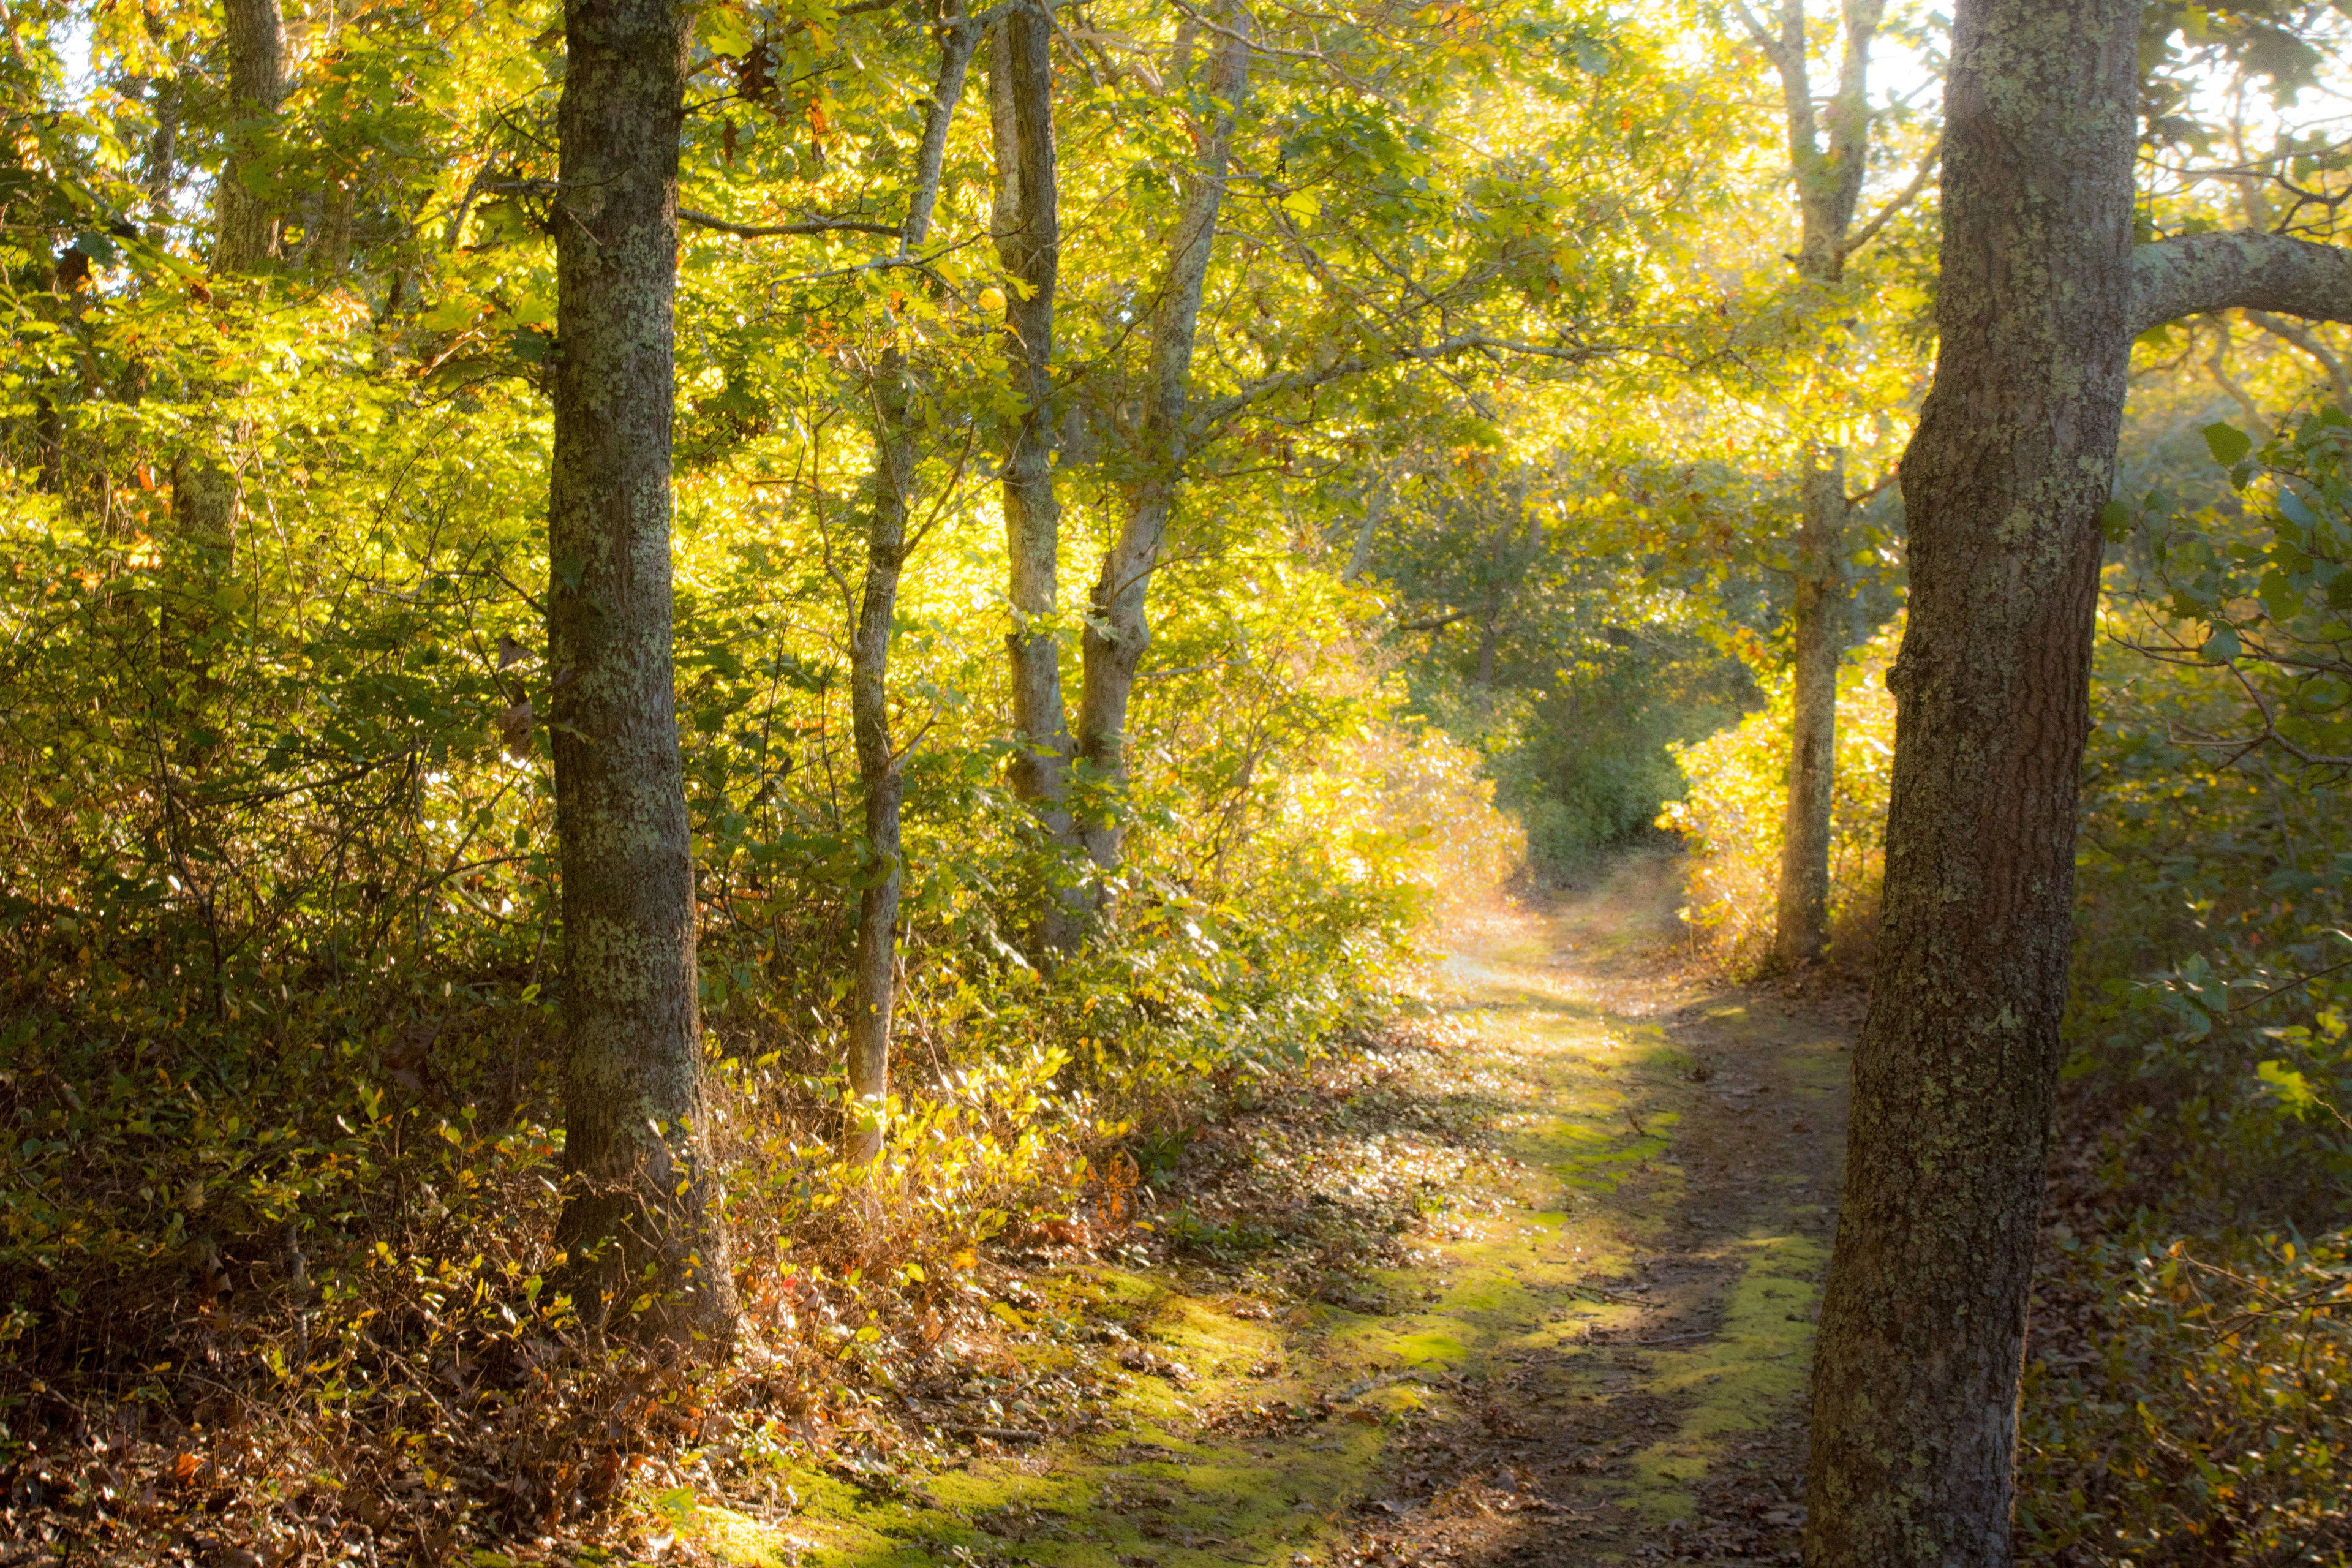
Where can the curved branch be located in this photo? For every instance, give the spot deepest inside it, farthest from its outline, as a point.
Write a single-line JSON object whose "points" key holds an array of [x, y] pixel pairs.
{"points": [[2202, 272], [2303, 338], [1902, 199]]}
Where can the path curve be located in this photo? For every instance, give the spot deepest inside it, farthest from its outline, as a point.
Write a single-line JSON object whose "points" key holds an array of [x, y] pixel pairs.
{"points": [[1592, 1346]]}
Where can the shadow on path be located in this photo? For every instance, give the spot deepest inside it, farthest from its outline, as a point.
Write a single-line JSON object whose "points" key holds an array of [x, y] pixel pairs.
{"points": [[1595, 1350]]}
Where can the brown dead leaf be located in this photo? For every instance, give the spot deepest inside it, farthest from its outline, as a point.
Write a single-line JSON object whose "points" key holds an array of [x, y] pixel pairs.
{"points": [[514, 728]]}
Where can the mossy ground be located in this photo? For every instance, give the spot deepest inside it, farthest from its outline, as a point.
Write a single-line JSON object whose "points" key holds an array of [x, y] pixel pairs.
{"points": [[1596, 1345]]}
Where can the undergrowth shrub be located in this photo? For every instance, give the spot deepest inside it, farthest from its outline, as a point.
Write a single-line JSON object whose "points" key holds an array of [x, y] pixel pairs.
{"points": [[277, 1053], [2204, 1413], [1730, 813], [2185, 1399], [279, 1146]]}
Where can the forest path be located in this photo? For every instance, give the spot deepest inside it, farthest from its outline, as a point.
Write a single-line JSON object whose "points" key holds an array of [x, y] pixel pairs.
{"points": [[1660, 1415], [1596, 1349]]}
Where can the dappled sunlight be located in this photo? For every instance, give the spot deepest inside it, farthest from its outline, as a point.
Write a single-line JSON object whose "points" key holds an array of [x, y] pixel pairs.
{"points": [[1592, 1317]]}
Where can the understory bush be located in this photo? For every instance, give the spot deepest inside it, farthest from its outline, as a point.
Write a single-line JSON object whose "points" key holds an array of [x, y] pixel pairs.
{"points": [[2186, 1393], [1729, 818], [279, 1142], [2201, 1412]]}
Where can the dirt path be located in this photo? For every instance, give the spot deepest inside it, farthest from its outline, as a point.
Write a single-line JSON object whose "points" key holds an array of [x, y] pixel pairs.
{"points": [[1593, 1350]]}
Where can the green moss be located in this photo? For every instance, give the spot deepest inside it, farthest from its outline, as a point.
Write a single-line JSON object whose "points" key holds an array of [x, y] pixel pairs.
{"points": [[1752, 1369], [1530, 1282], [1420, 1350]]}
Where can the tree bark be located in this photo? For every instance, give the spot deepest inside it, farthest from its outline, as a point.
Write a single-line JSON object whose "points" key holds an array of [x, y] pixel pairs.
{"points": [[1800, 926], [159, 171], [1917, 1370], [1829, 152], [874, 979], [2241, 270], [205, 491], [1028, 231], [247, 234], [1117, 630], [637, 1145], [1489, 634]]}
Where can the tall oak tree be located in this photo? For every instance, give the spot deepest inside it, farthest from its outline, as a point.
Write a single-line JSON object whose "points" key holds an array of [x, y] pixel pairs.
{"points": [[1915, 1375], [636, 1147]]}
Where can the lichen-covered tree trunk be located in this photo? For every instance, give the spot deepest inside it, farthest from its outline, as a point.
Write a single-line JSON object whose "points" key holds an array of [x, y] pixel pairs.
{"points": [[1829, 152], [1117, 630], [1916, 1372], [1817, 626], [205, 491], [247, 223], [637, 1145], [1028, 230], [874, 981]]}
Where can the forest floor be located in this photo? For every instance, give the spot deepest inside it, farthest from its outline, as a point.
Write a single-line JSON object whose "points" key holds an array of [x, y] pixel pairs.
{"points": [[1533, 1284]]}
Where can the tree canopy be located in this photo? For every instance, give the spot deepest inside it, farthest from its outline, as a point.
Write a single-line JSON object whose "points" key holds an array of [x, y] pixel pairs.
{"points": [[643, 644]]}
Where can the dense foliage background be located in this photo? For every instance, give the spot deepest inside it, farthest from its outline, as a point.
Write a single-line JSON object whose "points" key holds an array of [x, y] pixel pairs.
{"points": [[1508, 388]]}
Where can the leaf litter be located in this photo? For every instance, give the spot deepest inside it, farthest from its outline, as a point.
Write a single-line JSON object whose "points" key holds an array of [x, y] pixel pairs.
{"points": [[1507, 1283]]}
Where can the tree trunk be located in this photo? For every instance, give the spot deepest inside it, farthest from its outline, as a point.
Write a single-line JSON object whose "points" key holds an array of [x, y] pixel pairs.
{"points": [[636, 1146], [1118, 631], [874, 979], [1029, 242], [205, 491], [1829, 152], [1375, 504], [1916, 1372], [159, 171], [1818, 626], [874, 989], [256, 86]]}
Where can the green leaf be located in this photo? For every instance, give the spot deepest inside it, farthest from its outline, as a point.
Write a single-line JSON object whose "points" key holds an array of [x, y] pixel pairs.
{"points": [[2114, 521], [2228, 444], [2222, 646], [2291, 1087], [725, 31], [451, 314], [2278, 594]]}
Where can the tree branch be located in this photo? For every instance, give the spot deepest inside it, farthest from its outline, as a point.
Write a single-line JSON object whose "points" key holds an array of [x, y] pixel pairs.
{"points": [[1908, 195], [2309, 341], [2200, 272], [2218, 367], [768, 230], [1431, 625], [1756, 32], [1223, 409], [1892, 475]]}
